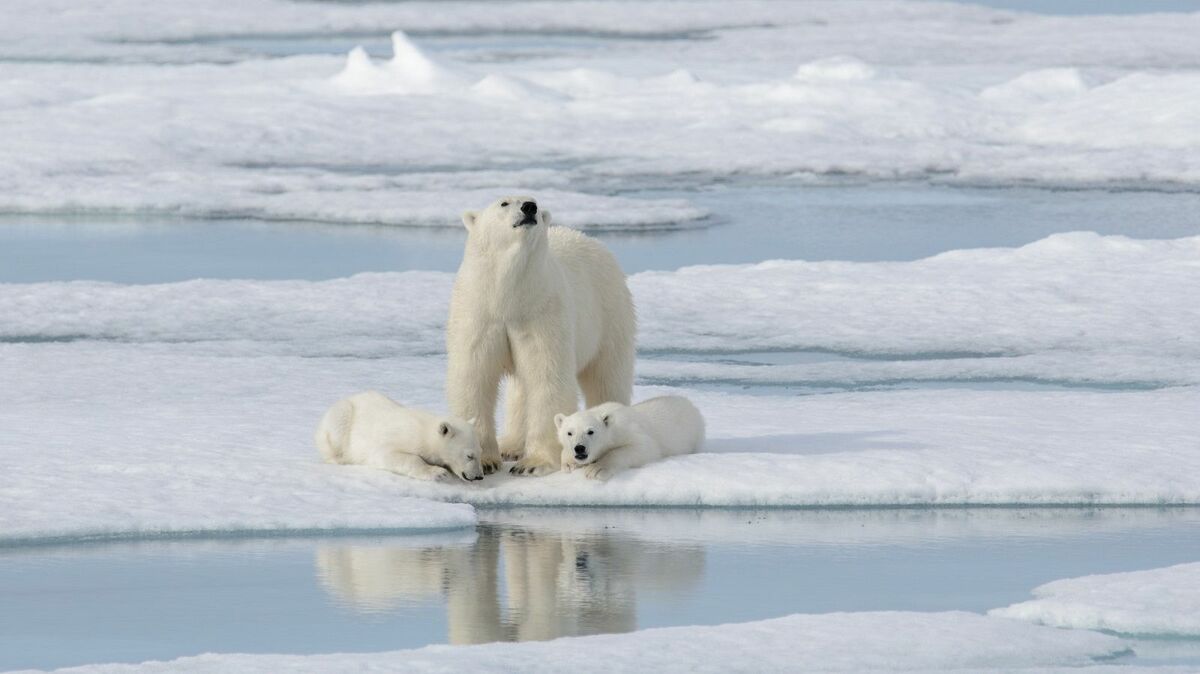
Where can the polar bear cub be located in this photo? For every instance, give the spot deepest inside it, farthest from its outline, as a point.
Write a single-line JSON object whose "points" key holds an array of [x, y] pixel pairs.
{"points": [[546, 308], [373, 430], [612, 437]]}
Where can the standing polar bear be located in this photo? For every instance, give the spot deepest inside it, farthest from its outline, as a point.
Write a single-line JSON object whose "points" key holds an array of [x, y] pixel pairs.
{"points": [[546, 306]]}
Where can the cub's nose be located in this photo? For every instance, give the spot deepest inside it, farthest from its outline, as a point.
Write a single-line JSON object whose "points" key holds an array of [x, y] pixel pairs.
{"points": [[580, 452], [529, 208]]}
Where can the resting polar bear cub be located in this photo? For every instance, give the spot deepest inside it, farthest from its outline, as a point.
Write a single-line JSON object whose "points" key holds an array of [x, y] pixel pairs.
{"points": [[546, 306], [371, 429], [612, 437]]}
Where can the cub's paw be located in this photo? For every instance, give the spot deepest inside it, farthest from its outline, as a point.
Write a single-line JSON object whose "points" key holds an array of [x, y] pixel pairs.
{"points": [[439, 474], [568, 467], [533, 466], [597, 472]]}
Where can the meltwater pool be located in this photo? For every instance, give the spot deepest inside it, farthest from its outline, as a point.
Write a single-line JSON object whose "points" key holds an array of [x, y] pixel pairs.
{"points": [[543, 573]]}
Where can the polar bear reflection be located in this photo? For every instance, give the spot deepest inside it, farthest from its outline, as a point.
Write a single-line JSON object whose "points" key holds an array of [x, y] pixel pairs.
{"points": [[557, 583]]}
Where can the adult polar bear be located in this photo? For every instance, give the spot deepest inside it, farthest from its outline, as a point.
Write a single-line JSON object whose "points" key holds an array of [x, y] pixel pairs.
{"points": [[546, 306]]}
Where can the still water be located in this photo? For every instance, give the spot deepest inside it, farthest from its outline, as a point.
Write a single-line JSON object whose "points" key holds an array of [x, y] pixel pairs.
{"points": [[543, 573], [748, 224]]}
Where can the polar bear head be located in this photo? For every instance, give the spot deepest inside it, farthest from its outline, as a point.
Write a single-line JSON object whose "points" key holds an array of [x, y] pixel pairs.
{"points": [[509, 219], [585, 436], [457, 448]]}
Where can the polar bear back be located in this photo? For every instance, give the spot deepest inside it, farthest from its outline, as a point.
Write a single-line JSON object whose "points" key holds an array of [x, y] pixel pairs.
{"points": [[603, 307], [673, 422]]}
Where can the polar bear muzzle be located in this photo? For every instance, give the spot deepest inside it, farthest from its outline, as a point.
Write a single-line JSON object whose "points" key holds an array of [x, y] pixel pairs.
{"points": [[529, 208]]}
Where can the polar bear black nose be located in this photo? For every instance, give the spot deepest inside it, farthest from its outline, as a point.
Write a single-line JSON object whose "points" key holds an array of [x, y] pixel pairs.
{"points": [[580, 451], [529, 208]]}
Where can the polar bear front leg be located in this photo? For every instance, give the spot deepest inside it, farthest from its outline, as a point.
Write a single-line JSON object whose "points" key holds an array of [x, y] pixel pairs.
{"points": [[544, 359], [512, 443], [473, 383]]}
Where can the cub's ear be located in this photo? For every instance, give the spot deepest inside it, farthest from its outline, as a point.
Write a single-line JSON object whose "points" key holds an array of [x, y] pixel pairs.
{"points": [[558, 419], [472, 420], [605, 419], [445, 430], [468, 218], [546, 218]]}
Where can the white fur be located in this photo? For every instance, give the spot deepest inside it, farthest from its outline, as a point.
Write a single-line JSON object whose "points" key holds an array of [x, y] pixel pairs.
{"points": [[372, 430], [549, 308], [614, 437]]}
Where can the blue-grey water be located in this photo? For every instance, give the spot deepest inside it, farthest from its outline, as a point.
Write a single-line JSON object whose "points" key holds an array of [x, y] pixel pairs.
{"points": [[543, 573], [749, 223]]}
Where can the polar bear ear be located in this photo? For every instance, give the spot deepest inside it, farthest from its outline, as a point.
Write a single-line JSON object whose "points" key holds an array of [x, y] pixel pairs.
{"points": [[558, 419], [468, 218], [444, 430], [546, 218], [605, 419], [472, 420]]}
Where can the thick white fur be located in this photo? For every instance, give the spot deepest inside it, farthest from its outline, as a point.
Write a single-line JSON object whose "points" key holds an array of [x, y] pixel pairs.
{"points": [[612, 437], [371, 429], [549, 308]]}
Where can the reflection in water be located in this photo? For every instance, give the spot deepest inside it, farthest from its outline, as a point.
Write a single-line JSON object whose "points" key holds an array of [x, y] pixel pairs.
{"points": [[555, 582]]}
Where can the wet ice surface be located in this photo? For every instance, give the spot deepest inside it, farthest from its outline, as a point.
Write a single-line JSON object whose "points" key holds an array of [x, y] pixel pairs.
{"points": [[590, 572]]}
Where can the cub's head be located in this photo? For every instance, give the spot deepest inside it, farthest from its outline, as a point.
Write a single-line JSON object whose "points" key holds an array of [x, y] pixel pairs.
{"points": [[457, 447], [584, 436], [508, 219]]}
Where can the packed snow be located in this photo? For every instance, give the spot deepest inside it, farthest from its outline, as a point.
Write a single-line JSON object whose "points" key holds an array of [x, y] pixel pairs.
{"points": [[891, 641], [166, 107], [209, 390], [1157, 602]]}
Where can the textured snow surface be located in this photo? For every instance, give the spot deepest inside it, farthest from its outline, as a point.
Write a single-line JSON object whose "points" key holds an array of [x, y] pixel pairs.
{"points": [[1158, 602], [155, 404], [894, 641], [171, 107]]}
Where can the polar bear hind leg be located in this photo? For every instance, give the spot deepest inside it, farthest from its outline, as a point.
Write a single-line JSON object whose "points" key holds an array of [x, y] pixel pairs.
{"points": [[609, 377]]}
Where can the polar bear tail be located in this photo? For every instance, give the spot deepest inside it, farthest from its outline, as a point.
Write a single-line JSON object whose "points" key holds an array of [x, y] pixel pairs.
{"points": [[333, 433]]}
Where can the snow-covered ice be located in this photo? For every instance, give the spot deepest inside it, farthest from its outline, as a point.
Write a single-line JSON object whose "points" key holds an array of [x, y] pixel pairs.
{"points": [[886, 641], [1156, 602], [145, 107], [118, 394]]}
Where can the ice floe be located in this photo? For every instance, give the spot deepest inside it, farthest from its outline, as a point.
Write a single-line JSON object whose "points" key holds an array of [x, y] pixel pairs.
{"points": [[890, 641], [113, 117], [1156, 602]]}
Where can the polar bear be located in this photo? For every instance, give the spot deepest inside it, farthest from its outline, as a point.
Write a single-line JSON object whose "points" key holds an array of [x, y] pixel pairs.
{"points": [[546, 306], [612, 437], [373, 430]]}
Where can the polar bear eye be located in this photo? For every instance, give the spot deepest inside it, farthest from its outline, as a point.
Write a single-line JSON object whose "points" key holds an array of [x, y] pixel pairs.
{"points": [[570, 432], [591, 432], [470, 457], [503, 204]]}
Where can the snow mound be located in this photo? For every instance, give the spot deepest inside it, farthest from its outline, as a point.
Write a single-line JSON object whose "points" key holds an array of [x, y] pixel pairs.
{"points": [[835, 69], [1156, 602], [1039, 86], [837, 641], [409, 72]]}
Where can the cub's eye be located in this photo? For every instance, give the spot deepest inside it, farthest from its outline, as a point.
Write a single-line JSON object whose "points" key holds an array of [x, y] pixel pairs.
{"points": [[570, 432], [470, 457], [591, 432], [503, 204]]}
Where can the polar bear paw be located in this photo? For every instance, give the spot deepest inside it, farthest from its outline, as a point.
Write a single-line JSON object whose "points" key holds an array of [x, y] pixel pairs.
{"points": [[439, 474], [490, 464], [511, 449], [531, 465], [597, 472]]}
